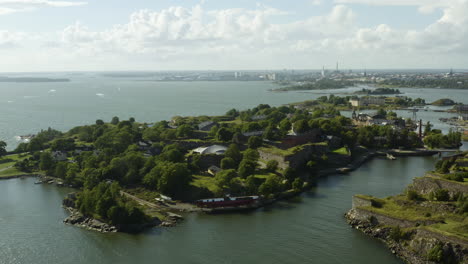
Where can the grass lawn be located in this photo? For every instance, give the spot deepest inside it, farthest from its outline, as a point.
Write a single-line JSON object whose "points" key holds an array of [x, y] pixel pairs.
{"points": [[12, 172], [206, 182], [7, 163], [290, 151], [341, 151]]}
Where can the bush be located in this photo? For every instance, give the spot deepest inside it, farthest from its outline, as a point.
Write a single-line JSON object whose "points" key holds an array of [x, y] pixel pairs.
{"points": [[228, 163], [272, 165], [297, 184], [440, 195], [412, 195], [376, 204], [397, 234], [435, 254], [454, 177]]}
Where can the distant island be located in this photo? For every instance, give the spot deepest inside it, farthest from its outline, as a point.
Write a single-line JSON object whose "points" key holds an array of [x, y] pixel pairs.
{"points": [[320, 84], [32, 79], [378, 91]]}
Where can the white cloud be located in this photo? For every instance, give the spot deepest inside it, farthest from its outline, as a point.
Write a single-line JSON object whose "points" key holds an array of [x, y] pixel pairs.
{"points": [[195, 38]]}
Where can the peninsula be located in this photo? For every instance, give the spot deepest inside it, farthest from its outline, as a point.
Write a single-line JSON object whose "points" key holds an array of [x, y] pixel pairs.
{"points": [[131, 175]]}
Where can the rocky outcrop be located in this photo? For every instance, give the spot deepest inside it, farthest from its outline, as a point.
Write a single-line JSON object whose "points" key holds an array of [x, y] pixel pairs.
{"points": [[418, 246], [77, 219], [171, 220]]}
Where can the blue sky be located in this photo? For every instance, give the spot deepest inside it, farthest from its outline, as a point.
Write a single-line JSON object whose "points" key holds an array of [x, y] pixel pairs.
{"points": [[38, 35]]}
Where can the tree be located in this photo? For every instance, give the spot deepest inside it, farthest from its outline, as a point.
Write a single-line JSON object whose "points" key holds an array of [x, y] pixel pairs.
{"points": [[61, 170], [285, 125], [251, 185], [174, 179], [251, 155], [115, 120], [272, 165], [46, 162], [223, 178], [184, 131], [3, 151], [99, 122], [297, 184], [228, 163], [246, 168], [234, 153], [254, 142], [63, 144], [427, 128], [301, 126], [271, 185], [224, 134], [232, 113]]}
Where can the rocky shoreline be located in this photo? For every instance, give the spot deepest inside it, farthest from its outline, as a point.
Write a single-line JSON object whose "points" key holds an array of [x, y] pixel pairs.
{"points": [[415, 246], [78, 219]]}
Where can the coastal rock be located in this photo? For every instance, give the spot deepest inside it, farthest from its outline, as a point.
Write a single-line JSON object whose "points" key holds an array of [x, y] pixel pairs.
{"points": [[417, 245], [77, 219]]}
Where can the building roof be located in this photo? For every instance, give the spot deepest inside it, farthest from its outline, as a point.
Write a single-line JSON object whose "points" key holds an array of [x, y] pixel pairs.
{"points": [[205, 124], [213, 149]]}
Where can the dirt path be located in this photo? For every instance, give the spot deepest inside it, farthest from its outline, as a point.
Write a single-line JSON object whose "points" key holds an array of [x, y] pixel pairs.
{"points": [[4, 169], [186, 207]]}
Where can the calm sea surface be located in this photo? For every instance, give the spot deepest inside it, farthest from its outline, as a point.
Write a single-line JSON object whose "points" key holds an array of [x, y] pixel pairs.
{"points": [[310, 229]]}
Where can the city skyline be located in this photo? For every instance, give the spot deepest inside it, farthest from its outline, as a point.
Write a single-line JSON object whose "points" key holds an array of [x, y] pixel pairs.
{"points": [[41, 35]]}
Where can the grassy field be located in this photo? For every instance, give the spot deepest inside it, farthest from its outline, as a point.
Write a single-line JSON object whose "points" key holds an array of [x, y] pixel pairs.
{"points": [[290, 151], [7, 163], [207, 182]]}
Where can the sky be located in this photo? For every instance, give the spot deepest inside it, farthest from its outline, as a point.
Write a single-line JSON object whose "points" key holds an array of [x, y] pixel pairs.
{"points": [[149, 35]]}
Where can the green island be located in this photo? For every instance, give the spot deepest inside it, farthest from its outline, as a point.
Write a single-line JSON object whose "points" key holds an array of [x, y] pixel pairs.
{"points": [[378, 91], [442, 83], [131, 175], [320, 84], [427, 223]]}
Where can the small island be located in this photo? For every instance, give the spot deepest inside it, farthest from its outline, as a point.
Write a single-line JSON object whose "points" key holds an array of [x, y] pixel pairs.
{"points": [[378, 91], [131, 175]]}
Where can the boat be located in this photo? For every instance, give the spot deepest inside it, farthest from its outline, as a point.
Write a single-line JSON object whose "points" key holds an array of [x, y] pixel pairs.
{"points": [[390, 156], [227, 202]]}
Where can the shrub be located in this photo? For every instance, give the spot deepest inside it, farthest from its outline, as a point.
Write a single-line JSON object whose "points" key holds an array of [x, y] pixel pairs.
{"points": [[435, 253], [397, 234], [412, 195], [376, 203], [440, 195], [272, 165]]}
